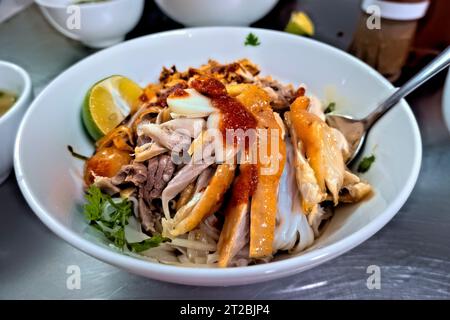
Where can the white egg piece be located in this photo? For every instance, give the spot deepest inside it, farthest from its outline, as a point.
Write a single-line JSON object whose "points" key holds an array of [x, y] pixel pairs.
{"points": [[213, 121], [193, 104]]}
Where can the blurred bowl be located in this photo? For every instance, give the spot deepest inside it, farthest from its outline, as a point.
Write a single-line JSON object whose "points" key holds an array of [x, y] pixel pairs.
{"points": [[16, 80], [97, 24], [216, 12]]}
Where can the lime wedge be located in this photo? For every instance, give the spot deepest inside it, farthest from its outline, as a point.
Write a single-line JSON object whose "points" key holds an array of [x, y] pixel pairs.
{"points": [[300, 24], [107, 103]]}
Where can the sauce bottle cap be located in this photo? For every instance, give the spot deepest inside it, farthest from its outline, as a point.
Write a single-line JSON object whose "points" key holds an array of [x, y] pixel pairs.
{"points": [[397, 10]]}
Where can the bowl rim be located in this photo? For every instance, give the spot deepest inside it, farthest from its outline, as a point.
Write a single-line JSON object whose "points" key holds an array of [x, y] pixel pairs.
{"points": [[222, 276], [24, 95], [86, 6]]}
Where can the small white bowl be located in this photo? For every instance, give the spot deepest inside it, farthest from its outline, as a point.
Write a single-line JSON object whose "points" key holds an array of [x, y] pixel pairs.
{"points": [[52, 184], [101, 24], [216, 12], [16, 80]]}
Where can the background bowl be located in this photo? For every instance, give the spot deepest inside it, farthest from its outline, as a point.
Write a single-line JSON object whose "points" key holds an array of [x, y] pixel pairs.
{"points": [[216, 12], [51, 181], [16, 80], [97, 25]]}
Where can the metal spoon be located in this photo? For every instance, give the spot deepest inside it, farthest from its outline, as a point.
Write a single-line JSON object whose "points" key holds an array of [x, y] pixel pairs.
{"points": [[355, 131]]}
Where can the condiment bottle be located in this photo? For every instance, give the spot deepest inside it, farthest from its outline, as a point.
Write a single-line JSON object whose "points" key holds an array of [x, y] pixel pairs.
{"points": [[385, 33]]}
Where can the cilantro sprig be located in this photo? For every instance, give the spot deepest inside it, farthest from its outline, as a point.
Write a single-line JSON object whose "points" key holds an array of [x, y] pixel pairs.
{"points": [[110, 216], [96, 201], [366, 163], [152, 242], [252, 40]]}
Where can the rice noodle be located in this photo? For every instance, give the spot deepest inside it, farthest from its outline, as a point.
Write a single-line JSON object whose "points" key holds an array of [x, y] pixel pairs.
{"points": [[292, 232], [212, 232], [164, 253], [212, 258], [198, 245]]}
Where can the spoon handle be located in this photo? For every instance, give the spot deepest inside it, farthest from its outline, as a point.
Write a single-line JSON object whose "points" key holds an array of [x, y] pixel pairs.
{"points": [[439, 63]]}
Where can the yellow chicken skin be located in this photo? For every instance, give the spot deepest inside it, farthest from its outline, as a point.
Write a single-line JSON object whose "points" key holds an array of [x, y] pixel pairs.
{"points": [[106, 162], [210, 200], [264, 200], [235, 229], [310, 192], [321, 148]]}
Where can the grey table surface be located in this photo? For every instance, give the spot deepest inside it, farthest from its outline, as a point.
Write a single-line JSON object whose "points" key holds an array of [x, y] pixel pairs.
{"points": [[412, 251]]}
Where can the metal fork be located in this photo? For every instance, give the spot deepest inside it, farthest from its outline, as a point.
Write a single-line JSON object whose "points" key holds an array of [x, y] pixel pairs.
{"points": [[356, 130]]}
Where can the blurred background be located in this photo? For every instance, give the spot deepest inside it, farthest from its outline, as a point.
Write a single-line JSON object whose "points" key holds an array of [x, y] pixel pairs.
{"points": [[401, 44], [406, 38]]}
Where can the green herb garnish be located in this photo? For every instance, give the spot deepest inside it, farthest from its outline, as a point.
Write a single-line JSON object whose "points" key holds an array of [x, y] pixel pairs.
{"points": [[110, 216], [252, 40], [96, 201], [365, 163], [148, 243], [331, 107]]}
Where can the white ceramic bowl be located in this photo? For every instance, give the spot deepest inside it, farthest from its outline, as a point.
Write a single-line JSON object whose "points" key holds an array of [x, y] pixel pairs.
{"points": [[16, 80], [51, 180], [216, 12], [97, 25]]}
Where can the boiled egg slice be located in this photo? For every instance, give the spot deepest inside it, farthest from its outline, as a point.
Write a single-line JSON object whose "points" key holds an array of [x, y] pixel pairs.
{"points": [[192, 104]]}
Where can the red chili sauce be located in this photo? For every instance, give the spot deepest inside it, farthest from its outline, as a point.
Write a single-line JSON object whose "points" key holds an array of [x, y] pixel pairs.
{"points": [[235, 115], [179, 92], [176, 89], [245, 184]]}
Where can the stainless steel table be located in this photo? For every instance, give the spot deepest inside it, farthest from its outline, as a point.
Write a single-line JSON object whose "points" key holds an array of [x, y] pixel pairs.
{"points": [[413, 250]]}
